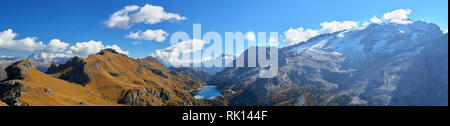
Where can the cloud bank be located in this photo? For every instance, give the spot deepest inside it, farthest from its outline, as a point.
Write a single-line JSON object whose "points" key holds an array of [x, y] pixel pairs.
{"points": [[8, 41], [301, 34], [156, 35], [399, 16], [55, 47], [148, 14], [91, 47], [298, 35], [173, 53]]}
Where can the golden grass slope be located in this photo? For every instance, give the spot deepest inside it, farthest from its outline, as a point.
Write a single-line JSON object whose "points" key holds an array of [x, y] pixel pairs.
{"points": [[3, 104], [44, 90], [135, 82]]}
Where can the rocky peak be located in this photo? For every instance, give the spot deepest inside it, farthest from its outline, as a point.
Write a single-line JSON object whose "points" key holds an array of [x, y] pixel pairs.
{"points": [[18, 69], [74, 62], [110, 50], [415, 27], [76, 74], [54, 68]]}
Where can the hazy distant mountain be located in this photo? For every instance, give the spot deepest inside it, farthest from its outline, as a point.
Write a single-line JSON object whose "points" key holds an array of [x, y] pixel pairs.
{"points": [[195, 74], [8, 60], [41, 60], [360, 66], [226, 59]]}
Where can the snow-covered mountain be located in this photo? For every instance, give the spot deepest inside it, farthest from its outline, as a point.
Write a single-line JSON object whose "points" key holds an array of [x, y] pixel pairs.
{"points": [[42, 60], [362, 65], [225, 58]]}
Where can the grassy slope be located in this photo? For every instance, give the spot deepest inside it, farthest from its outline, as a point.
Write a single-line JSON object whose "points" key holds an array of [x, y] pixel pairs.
{"points": [[100, 67], [65, 94], [3, 104]]}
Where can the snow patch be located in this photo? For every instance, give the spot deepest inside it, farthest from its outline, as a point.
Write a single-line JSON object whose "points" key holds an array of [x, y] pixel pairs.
{"points": [[356, 100]]}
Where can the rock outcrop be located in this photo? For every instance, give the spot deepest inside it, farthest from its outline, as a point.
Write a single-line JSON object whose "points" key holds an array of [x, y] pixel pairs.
{"points": [[11, 91], [75, 71], [426, 82], [3, 74], [17, 70]]}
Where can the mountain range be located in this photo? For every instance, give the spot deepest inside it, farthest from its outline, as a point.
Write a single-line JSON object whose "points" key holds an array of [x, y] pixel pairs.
{"points": [[369, 66], [41, 61], [106, 78], [381, 64]]}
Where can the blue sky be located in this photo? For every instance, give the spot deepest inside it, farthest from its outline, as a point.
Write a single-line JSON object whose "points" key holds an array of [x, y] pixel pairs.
{"points": [[82, 20]]}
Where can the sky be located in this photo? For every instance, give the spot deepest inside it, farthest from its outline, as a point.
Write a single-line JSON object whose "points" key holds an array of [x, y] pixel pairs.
{"points": [[143, 27]]}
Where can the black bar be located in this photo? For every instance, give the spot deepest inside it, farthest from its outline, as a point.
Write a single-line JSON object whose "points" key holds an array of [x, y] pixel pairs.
{"points": [[275, 115]]}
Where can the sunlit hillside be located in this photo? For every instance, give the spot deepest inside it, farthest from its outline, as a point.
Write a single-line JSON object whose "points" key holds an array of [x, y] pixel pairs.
{"points": [[128, 81]]}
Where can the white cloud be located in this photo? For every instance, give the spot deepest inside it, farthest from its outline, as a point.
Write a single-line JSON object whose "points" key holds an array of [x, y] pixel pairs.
{"points": [[148, 14], [446, 31], [117, 48], [49, 56], [56, 45], [376, 20], [55, 48], [53, 55], [334, 26], [157, 35], [399, 16], [85, 48], [366, 23], [294, 36], [250, 36], [91, 47], [273, 42], [172, 53], [7, 41], [120, 19]]}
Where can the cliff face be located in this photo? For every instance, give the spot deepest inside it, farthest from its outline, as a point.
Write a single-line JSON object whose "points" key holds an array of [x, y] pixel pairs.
{"points": [[2, 73], [128, 81], [426, 82]]}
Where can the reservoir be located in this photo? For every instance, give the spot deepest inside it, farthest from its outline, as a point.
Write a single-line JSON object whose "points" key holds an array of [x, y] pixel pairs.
{"points": [[208, 92]]}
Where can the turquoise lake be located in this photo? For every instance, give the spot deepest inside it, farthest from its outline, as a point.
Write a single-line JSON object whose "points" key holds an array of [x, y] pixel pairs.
{"points": [[208, 92]]}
